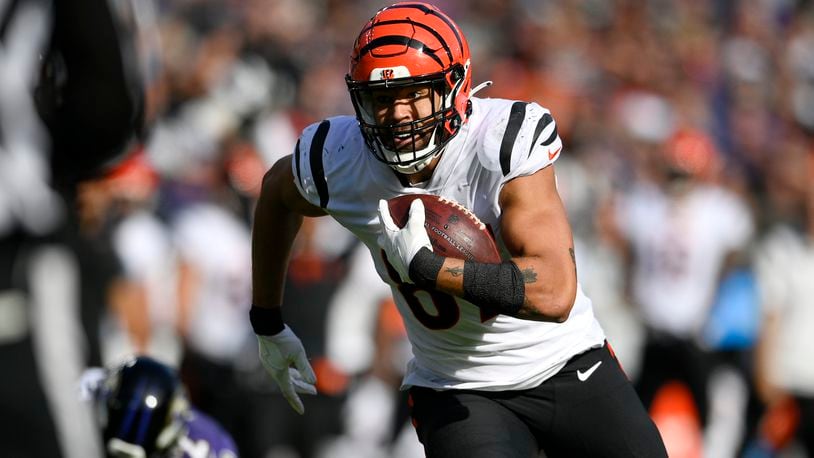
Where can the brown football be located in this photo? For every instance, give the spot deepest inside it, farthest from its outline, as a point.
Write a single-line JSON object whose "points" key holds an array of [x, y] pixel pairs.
{"points": [[454, 231]]}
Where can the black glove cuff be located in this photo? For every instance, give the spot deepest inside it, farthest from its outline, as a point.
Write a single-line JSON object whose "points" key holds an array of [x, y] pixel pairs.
{"points": [[266, 321], [424, 268]]}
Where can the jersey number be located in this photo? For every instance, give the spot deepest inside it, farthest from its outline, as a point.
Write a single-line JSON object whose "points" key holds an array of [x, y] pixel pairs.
{"points": [[448, 312]]}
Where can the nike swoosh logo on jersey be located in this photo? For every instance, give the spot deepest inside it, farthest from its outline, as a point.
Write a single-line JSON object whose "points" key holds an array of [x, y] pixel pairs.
{"points": [[582, 376], [554, 154]]}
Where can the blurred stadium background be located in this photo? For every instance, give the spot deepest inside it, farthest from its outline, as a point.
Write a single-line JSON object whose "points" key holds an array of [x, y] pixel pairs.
{"points": [[687, 175]]}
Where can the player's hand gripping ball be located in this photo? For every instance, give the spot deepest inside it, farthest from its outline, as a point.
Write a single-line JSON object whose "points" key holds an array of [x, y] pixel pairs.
{"points": [[453, 230]]}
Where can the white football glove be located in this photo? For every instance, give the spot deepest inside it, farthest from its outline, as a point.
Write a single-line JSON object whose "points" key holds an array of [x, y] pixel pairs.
{"points": [[401, 245], [278, 353]]}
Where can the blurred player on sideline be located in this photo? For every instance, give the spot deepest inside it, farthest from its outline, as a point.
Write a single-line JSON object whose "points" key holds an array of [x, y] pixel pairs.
{"points": [[144, 413]]}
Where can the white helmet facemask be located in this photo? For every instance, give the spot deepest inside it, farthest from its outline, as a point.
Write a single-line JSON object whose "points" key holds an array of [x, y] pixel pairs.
{"points": [[439, 127]]}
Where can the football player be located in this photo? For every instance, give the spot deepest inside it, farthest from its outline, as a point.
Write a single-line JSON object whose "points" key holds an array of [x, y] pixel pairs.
{"points": [[508, 358], [144, 413]]}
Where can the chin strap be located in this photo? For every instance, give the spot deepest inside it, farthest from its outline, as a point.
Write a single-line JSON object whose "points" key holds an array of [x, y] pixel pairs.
{"points": [[415, 168], [419, 166]]}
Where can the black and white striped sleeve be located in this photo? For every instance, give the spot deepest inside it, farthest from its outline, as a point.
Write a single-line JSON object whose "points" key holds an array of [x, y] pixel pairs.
{"points": [[528, 142], [308, 167]]}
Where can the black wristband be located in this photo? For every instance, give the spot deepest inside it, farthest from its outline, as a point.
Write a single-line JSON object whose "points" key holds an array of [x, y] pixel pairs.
{"points": [[499, 286], [424, 268], [266, 321]]}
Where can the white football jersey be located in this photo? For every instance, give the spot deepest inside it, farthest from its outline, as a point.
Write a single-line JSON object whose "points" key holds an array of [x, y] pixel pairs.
{"points": [[680, 251], [455, 344], [217, 247], [785, 266]]}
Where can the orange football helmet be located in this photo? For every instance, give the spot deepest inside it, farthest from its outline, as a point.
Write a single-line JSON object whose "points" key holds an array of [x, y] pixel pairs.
{"points": [[411, 44]]}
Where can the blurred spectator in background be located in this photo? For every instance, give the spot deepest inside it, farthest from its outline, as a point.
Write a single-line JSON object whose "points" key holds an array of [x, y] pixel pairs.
{"points": [[70, 101], [212, 243], [685, 231], [142, 411], [146, 322], [785, 263], [90, 237]]}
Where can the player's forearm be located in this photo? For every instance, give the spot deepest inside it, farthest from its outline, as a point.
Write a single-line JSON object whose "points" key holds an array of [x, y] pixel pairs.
{"points": [[275, 228], [522, 287], [550, 289]]}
